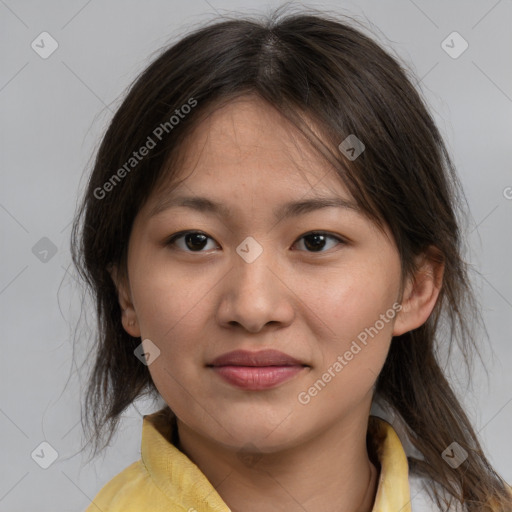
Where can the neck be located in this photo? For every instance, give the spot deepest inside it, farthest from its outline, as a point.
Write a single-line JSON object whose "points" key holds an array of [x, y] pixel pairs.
{"points": [[331, 472]]}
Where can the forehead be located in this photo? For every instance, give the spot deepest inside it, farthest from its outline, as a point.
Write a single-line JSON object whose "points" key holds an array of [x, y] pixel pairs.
{"points": [[247, 145]]}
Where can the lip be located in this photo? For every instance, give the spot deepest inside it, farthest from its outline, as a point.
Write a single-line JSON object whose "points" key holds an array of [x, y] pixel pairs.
{"points": [[268, 357], [256, 370]]}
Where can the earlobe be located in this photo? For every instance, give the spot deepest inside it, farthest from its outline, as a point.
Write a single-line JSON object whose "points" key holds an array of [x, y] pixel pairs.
{"points": [[421, 292], [128, 314]]}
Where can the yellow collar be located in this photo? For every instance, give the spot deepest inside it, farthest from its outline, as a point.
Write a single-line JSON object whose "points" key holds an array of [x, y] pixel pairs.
{"points": [[183, 482]]}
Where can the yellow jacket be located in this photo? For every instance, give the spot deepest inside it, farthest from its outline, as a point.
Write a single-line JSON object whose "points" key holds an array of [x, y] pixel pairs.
{"points": [[165, 479]]}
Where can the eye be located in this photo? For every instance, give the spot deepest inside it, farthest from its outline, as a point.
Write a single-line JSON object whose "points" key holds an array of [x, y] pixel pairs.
{"points": [[316, 240], [196, 241], [193, 240]]}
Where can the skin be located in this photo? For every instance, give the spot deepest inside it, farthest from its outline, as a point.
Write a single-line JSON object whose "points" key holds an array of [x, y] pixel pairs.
{"points": [[195, 305]]}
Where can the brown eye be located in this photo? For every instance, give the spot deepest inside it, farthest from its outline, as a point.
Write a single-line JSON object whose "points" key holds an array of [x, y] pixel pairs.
{"points": [[196, 241], [189, 241], [316, 241]]}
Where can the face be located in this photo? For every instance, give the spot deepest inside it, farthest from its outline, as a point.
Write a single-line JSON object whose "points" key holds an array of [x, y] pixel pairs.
{"points": [[318, 284]]}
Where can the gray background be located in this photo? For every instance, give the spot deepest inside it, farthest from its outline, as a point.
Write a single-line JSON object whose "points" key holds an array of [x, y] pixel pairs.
{"points": [[54, 111]]}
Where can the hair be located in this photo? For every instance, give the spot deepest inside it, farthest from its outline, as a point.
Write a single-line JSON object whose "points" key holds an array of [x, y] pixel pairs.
{"points": [[312, 68]]}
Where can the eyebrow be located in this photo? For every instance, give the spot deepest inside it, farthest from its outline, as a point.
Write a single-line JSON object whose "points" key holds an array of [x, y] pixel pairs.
{"points": [[291, 209]]}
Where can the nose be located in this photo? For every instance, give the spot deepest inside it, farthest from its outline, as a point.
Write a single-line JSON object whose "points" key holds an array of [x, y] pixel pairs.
{"points": [[255, 295]]}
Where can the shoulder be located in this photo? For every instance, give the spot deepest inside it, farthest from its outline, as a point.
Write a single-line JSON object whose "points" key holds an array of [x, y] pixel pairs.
{"points": [[163, 478], [131, 490]]}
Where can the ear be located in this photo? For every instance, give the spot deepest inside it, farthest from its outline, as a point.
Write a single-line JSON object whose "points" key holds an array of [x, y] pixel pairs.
{"points": [[420, 292], [128, 315]]}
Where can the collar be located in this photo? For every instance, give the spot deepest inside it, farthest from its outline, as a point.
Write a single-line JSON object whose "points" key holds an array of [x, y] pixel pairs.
{"points": [[183, 482]]}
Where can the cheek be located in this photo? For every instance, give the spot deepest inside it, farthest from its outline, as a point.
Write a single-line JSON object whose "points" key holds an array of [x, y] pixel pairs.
{"points": [[355, 314], [168, 306], [349, 300], [167, 297], [171, 310]]}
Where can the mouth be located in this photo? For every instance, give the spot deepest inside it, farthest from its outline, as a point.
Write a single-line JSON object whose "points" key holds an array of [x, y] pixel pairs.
{"points": [[256, 370]]}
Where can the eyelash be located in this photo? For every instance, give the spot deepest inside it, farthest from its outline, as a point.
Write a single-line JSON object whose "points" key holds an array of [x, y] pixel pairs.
{"points": [[172, 239]]}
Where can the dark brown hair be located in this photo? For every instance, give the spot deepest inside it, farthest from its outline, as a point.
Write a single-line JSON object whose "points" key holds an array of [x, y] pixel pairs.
{"points": [[313, 68]]}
